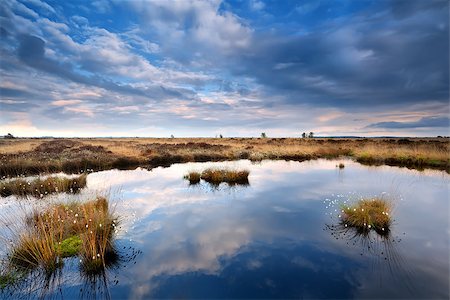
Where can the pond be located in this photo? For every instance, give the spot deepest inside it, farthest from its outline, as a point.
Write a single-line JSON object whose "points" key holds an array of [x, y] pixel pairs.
{"points": [[277, 237]]}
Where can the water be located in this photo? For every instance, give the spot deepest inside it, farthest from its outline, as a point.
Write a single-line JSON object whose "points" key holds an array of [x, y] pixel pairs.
{"points": [[276, 238]]}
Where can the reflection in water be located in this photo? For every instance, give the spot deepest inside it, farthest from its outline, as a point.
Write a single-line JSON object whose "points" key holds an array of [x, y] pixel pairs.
{"points": [[94, 285], [268, 240], [35, 265], [377, 243]]}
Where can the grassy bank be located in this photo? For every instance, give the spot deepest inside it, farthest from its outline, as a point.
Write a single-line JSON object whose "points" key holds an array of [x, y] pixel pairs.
{"points": [[35, 156]]}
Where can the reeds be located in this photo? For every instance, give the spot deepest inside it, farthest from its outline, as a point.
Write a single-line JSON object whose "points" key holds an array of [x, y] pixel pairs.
{"points": [[216, 176], [65, 230], [42, 187], [368, 214], [193, 177]]}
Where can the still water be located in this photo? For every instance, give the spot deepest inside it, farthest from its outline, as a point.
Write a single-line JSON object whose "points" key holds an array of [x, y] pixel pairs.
{"points": [[275, 238]]}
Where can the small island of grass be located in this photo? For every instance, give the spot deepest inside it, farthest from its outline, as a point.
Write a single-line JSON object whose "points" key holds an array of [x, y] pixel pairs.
{"points": [[217, 176], [368, 214], [42, 187]]}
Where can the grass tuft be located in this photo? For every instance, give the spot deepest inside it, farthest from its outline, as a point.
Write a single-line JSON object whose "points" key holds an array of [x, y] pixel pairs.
{"points": [[193, 177], [368, 214], [42, 187], [217, 176], [65, 230]]}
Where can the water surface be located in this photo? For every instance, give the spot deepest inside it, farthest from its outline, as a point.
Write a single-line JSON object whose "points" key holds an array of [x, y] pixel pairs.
{"points": [[275, 238]]}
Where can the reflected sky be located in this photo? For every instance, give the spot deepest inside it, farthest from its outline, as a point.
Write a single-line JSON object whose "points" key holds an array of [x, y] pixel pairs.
{"points": [[270, 239]]}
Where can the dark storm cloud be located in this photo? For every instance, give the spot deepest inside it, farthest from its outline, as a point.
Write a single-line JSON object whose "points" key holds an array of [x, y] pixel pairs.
{"points": [[424, 122], [359, 62]]}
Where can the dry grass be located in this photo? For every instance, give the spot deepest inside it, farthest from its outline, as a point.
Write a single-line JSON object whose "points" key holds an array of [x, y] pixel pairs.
{"points": [[63, 230], [74, 155], [193, 177], [42, 187], [217, 176], [368, 214]]}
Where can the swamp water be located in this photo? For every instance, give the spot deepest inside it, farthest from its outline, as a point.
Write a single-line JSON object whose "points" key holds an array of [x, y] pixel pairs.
{"points": [[278, 237]]}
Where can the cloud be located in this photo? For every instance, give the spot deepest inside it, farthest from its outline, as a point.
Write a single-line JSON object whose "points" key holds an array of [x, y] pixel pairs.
{"points": [[207, 67], [423, 122], [66, 102], [199, 28], [360, 63], [80, 21], [102, 6], [257, 5], [32, 52], [42, 5]]}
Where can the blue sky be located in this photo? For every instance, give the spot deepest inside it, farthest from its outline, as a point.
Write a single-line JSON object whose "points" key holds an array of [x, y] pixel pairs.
{"points": [[231, 67]]}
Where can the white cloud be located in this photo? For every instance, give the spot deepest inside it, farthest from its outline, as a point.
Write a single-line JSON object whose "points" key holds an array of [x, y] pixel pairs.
{"points": [[66, 102], [257, 5], [41, 4], [198, 24]]}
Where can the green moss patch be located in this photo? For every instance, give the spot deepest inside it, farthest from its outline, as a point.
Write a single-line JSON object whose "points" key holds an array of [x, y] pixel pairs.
{"points": [[70, 246]]}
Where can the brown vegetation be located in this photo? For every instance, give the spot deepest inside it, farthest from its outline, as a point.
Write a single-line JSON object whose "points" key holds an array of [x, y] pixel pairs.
{"points": [[42, 187], [368, 214], [34, 156], [63, 230], [216, 176]]}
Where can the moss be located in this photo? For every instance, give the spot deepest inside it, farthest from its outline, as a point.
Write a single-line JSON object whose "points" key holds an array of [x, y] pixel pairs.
{"points": [[70, 246]]}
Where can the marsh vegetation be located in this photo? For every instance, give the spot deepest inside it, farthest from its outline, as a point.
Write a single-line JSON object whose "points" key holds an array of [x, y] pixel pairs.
{"points": [[82, 229], [216, 176], [41, 187], [35, 156], [368, 214]]}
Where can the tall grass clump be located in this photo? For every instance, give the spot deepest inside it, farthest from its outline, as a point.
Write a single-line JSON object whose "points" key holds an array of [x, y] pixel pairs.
{"points": [[64, 230], [368, 214], [42, 187], [232, 177], [217, 176], [97, 249], [193, 177]]}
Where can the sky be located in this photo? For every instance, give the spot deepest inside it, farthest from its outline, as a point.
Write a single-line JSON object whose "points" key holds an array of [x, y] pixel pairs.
{"points": [[231, 67]]}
